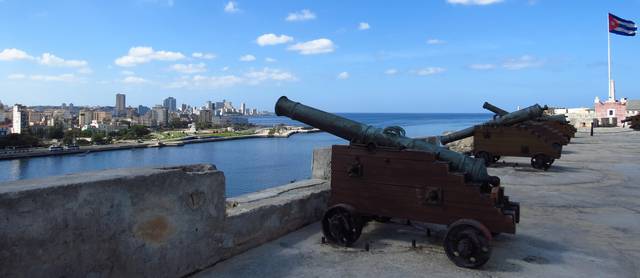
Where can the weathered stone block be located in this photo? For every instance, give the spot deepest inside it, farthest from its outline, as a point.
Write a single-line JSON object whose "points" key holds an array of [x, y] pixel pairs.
{"points": [[163, 222], [263, 216], [321, 165]]}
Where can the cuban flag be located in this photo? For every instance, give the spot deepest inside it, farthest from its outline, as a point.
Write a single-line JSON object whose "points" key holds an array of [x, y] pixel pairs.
{"points": [[621, 26]]}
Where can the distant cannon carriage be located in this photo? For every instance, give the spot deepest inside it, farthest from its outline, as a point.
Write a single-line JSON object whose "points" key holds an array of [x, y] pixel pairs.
{"points": [[384, 174]]}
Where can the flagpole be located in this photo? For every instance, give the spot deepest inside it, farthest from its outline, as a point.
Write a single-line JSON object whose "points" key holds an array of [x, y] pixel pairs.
{"points": [[609, 57]]}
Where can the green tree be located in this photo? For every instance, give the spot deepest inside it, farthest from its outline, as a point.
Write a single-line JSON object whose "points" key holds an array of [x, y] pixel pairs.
{"points": [[177, 123]]}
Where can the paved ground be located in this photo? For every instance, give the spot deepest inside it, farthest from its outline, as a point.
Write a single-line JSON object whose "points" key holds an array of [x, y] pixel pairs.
{"points": [[579, 219]]}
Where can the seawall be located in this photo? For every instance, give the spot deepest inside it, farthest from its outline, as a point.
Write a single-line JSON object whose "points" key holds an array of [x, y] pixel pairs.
{"points": [[158, 222], [40, 152]]}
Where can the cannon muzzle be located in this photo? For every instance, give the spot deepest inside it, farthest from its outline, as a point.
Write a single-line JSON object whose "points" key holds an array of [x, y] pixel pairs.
{"points": [[494, 109], [359, 133]]}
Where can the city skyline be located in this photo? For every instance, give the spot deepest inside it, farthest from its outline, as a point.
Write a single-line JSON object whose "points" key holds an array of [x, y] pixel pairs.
{"points": [[344, 58]]}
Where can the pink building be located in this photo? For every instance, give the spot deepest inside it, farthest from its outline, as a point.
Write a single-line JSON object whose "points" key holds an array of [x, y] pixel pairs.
{"points": [[612, 111]]}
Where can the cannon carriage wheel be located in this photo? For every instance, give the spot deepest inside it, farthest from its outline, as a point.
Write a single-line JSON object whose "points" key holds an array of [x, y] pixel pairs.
{"points": [[340, 225], [467, 243], [541, 161]]}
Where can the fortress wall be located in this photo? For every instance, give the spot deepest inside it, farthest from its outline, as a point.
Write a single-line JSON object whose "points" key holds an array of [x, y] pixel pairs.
{"points": [[152, 222]]}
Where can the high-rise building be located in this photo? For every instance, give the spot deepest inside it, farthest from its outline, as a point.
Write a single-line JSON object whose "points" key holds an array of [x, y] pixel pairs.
{"points": [[20, 119], [205, 116], [2, 119], [160, 115], [183, 108], [210, 105], [85, 117], [243, 109], [143, 110], [170, 104], [121, 103]]}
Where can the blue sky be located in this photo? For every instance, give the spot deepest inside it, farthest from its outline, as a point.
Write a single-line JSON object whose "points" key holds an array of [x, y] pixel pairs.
{"points": [[342, 56]]}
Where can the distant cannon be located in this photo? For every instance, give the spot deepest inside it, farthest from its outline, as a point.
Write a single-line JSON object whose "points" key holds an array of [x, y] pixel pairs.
{"points": [[555, 122], [634, 122], [382, 174], [519, 116], [513, 134]]}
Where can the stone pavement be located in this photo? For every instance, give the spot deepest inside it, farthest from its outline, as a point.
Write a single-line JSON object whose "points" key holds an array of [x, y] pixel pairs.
{"points": [[579, 219]]}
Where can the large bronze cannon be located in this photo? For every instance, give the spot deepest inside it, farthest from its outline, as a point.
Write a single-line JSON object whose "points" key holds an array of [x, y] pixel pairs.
{"points": [[360, 133], [383, 175]]}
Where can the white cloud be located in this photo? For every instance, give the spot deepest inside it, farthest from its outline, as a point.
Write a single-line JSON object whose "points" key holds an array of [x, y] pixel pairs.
{"points": [[391, 71], [10, 54], [127, 72], [318, 46], [15, 76], [134, 80], [482, 66], [231, 7], [302, 15], [343, 75], [522, 62], [189, 68], [363, 26], [46, 59], [226, 68], [85, 71], [206, 56], [247, 58], [144, 54], [273, 39], [429, 71], [435, 41], [270, 60], [49, 59], [252, 77], [474, 2], [67, 77]]}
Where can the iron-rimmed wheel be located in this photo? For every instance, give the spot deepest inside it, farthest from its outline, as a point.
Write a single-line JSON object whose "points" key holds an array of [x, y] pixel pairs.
{"points": [[487, 157], [467, 246], [541, 161], [341, 226]]}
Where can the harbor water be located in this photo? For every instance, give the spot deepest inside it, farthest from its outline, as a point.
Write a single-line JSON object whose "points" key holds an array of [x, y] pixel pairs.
{"points": [[249, 165]]}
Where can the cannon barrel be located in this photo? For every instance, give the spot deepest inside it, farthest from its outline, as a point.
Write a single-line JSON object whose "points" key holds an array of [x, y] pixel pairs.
{"points": [[360, 133], [500, 112], [519, 116], [494, 109]]}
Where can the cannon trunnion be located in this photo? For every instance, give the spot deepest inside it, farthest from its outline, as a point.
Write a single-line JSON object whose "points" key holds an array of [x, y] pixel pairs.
{"points": [[385, 183]]}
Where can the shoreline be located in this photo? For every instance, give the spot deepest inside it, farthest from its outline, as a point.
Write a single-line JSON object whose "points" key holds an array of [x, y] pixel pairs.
{"points": [[128, 146]]}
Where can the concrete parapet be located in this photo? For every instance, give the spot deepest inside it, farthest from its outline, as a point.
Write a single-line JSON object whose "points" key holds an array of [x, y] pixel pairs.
{"points": [[151, 222], [260, 217], [159, 222]]}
